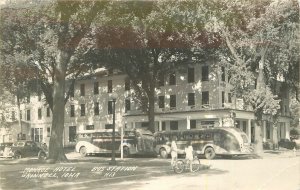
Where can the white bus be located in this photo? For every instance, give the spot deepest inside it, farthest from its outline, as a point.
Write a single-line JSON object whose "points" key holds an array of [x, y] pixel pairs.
{"points": [[208, 142], [136, 141]]}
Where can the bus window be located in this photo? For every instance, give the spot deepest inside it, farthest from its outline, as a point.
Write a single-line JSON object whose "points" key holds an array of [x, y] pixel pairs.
{"points": [[129, 133], [202, 136], [207, 136], [189, 137], [217, 137], [174, 137]]}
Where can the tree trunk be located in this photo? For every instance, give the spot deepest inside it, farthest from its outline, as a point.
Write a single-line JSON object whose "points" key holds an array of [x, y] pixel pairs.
{"points": [[275, 137], [19, 115], [151, 113], [258, 137], [56, 151]]}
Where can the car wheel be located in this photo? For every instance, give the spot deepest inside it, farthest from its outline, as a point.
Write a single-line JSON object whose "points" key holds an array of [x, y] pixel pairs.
{"points": [[82, 151], [163, 153], [126, 152], [209, 153], [42, 156]]}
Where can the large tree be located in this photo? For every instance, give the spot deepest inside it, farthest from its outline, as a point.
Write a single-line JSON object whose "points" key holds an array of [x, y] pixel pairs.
{"points": [[259, 44], [148, 40], [59, 43]]}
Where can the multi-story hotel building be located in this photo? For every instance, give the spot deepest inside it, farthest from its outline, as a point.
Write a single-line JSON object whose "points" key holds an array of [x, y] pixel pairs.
{"points": [[197, 98]]}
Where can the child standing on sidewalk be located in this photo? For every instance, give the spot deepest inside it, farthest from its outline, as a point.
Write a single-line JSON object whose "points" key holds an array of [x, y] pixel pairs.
{"points": [[189, 154], [173, 152]]}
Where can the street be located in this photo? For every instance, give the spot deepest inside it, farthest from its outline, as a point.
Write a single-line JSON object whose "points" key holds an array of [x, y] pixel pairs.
{"points": [[272, 172]]}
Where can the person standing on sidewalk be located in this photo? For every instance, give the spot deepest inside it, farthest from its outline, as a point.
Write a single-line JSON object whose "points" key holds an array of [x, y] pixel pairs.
{"points": [[189, 154], [173, 152]]}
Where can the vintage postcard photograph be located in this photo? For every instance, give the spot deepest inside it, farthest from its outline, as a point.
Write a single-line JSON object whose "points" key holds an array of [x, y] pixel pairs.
{"points": [[150, 94]]}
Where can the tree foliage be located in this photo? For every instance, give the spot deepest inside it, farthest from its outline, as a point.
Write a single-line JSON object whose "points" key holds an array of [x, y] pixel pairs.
{"points": [[55, 39]]}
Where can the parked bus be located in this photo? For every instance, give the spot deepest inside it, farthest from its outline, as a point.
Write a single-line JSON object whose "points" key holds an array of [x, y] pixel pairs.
{"points": [[135, 141], [210, 142]]}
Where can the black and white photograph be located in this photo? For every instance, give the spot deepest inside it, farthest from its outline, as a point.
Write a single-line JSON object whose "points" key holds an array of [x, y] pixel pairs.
{"points": [[150, 94]]}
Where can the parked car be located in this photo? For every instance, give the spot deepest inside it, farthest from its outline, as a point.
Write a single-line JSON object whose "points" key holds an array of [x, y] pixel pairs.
{"points": [[295, 136], [22, 149], [286, 143], [5, 149]]}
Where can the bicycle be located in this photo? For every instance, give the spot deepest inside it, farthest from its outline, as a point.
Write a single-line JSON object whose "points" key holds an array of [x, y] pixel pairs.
{"points": [[181, 165]]}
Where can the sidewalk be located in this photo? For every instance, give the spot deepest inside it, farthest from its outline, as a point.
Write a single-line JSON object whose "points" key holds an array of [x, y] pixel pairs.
{"points": [[283, 153]]}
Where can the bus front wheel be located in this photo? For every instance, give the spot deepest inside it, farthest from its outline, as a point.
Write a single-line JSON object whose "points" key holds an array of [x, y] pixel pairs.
{"points": [[209, 153], [163, 153], [82, 151]]}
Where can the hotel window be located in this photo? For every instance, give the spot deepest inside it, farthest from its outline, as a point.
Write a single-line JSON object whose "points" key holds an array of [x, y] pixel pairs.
{"points": [[229, 98], [82, 90], [192, 124], [223, 98], [163, 126], [127, 105], [96, 108], [72, 111], [109, 86], [205, 98], [38, 134], [82, 109], [172, 79], [72, 91], [245, 126], [89, 127], [39, 114], [72, 134], [145, 124], [172, 101], [161, 101], [191, 99], [110, 107], [48, 112], [223, 73], [204, 73], [28, 115], [161, 80], [173, 125], [127, 84], [108, 126], [191, 75], [96, 87], [48, 131]]}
